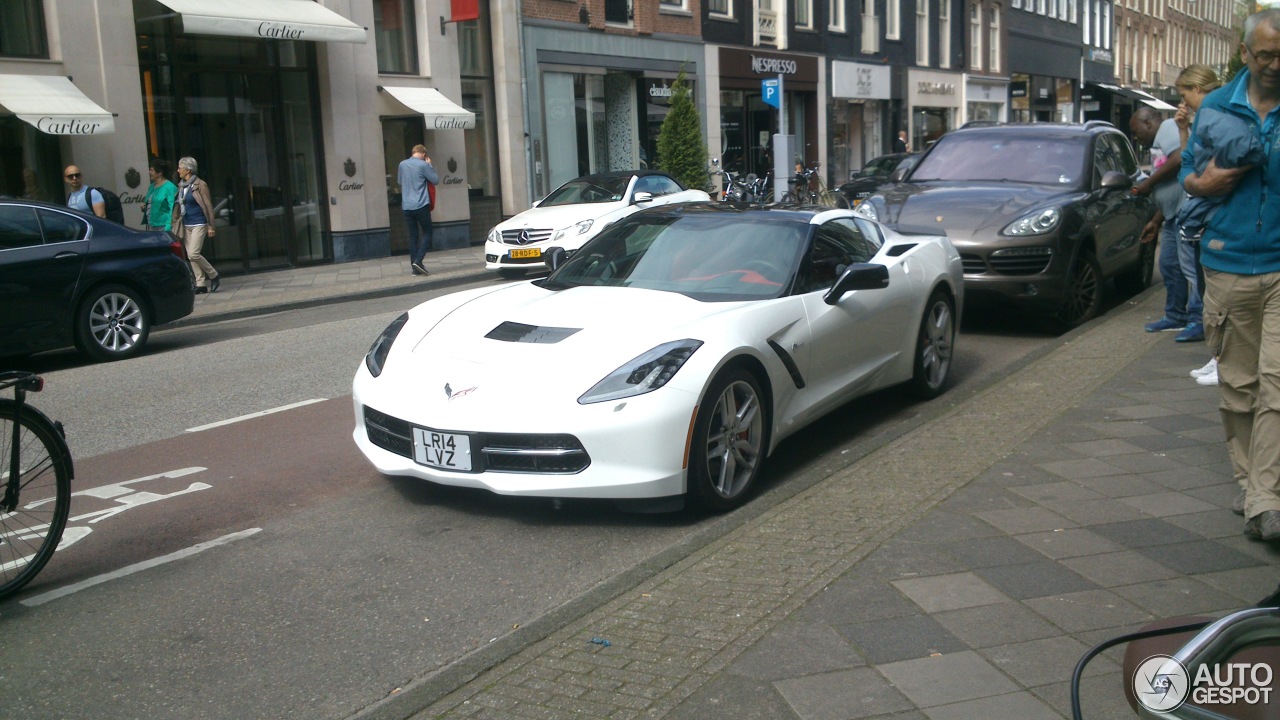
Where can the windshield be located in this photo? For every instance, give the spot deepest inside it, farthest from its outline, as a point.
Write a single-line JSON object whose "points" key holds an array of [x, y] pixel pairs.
{"points": [[588, 190], [882, 165], [1045, 159], [712, 257]]}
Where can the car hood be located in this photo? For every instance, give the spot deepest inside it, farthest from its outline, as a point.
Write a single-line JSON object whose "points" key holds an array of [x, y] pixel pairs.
{"points": [[963, 210], [559, 216], [864, 184], [523, 344]]}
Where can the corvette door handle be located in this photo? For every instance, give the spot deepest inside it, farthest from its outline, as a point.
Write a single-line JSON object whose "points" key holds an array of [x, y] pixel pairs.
{"points": [[66, 254]]}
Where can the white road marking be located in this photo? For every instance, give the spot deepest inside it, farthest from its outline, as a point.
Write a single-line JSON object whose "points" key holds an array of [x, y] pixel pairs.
{"points": [[250, 416], [137, 567]]}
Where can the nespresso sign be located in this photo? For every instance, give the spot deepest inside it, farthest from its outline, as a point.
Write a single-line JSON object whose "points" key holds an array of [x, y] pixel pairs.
{"points": [[756, 65]]}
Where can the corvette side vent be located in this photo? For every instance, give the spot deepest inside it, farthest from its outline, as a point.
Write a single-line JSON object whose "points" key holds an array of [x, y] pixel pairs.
{"points": [[897, 250], [521, 333]]}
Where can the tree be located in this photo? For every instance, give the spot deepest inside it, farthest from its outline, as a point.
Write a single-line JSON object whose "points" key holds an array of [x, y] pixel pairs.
{"points": [[681, 151]]}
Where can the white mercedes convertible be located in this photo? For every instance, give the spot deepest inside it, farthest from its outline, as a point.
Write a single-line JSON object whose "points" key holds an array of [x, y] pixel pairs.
{"points": [[665, 360], [574, 213]]}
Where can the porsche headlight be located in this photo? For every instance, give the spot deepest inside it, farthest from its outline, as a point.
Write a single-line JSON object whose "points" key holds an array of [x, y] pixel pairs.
{"points": [[574, 229], [1036, 223], [495, 236], [867, 210], [643, 374], [377, 354]]}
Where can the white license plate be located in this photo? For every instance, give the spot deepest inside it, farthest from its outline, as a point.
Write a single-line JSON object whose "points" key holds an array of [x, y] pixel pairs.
{"points": [[449, 451]]}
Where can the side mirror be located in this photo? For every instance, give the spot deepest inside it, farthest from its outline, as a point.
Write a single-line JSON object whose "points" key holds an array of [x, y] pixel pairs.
{"points": [[1116, 180], [641, 197], [859, 276], [555, 257], [899, 175]]}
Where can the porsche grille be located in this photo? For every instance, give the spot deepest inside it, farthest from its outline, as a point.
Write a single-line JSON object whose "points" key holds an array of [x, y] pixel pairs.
{"points": [[1005, 265], [497, 452]]}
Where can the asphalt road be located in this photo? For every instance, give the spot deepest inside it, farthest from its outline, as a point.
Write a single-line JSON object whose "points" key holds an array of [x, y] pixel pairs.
{"points": [[261, 568]]}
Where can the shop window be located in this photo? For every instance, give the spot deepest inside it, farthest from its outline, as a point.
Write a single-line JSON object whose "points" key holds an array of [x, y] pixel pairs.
{"points": [[944, 34], [30, 163], [22, 32], [617, 12], [836, 15], [804, 14], [975, 36], [474, 55], [395, 36], [993, 39], [922, 33]]}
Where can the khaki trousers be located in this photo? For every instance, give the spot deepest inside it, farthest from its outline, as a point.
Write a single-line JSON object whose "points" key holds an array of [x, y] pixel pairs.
{"points": [[193, 238], [1242, 329]]}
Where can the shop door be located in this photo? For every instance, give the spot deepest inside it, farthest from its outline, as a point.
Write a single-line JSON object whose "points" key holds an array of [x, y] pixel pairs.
{"points": [[233, 131]]}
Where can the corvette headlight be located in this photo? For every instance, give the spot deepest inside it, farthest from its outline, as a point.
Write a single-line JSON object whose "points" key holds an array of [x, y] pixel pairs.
{"points": [[1036, 223], [574, 229], [646, 373], [377, 354], [867, 210], [495, 236]]}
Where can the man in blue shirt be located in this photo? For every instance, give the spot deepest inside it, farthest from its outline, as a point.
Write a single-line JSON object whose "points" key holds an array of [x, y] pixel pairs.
{"points": [[1240, 252], [77, 200], [415, 175]]}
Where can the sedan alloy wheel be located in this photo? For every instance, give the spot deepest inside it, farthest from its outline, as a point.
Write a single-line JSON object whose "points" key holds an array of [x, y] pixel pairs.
{"points": [[112, 324]]}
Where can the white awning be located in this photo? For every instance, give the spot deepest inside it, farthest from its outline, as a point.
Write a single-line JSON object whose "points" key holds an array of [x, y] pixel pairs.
{"points": [[440, 112], [270, 19], [1154, 101], [53, 105]]}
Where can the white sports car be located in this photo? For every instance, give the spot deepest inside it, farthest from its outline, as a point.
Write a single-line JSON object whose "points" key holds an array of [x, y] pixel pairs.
{"points": [[576, 212], [668, 357]]}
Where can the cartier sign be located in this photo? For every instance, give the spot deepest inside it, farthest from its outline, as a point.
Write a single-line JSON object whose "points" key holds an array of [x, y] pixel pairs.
{"points": [[279, 31]]}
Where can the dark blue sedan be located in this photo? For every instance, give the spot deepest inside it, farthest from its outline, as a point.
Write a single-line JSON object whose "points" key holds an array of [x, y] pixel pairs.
{"points": [[71, 278]]}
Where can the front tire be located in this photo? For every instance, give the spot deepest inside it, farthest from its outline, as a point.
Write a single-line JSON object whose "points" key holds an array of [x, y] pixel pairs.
{"points": [[935, 344], [112, 324], [1082, 299], [730, 439], [30, 534]]}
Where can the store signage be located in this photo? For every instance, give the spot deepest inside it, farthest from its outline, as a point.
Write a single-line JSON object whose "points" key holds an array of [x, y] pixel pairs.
{"points": [[447, 122], [772, 66], [859, 81], [344, 185], [279, 31], [68, 126], [935, 88], [1100, 55]]}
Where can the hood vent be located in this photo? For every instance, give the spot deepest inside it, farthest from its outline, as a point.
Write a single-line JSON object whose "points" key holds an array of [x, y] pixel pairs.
{"points": [[521, 333]]}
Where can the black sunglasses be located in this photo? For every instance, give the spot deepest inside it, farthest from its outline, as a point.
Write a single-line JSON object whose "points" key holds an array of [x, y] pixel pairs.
{"points": [[71, 176]]}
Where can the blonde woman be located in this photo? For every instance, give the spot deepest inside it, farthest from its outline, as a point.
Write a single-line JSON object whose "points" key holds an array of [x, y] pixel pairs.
{"points": [[193, 222], [1195, 82]]}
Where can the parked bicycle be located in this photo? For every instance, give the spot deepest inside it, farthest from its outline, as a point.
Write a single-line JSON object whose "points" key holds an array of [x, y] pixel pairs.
{"points": [[808, 188], [751, 189], [37, 472]]}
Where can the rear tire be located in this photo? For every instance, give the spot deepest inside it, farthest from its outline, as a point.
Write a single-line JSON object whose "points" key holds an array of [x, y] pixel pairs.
{"points": [[935, 344], [30, 534], [112, 324], [730, 439], [1138, 278]]}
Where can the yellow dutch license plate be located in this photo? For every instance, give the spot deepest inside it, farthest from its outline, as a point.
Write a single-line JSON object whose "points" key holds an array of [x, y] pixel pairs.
{"points": [[526, 253]]}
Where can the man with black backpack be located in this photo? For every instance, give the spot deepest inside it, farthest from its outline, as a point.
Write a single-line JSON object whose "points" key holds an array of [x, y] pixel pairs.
{"points": [[99, 201]]}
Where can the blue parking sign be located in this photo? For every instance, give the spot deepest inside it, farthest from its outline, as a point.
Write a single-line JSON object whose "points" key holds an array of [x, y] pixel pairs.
{"points": [[770, 90]]}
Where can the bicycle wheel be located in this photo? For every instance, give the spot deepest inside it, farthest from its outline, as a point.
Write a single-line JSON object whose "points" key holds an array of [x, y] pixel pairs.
{"points": [[833, 199], [30, 534]]}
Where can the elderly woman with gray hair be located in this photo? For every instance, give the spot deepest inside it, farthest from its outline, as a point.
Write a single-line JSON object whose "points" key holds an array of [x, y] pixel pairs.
{"points": [[193, 222]]}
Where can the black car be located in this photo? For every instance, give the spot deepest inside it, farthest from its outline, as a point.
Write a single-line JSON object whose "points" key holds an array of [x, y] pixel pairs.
{"points": [[874, 174], [1041, 214], [71, 278]]}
